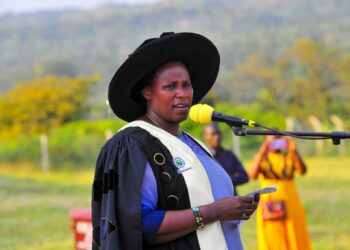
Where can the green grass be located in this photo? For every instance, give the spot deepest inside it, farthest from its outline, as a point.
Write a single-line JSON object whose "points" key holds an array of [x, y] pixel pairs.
{"points": [[34, 214], [34, 210]]}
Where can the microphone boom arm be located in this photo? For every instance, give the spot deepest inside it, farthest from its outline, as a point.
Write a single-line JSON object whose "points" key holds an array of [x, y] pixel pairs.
{"points": [[336, 136], [203, 114]]}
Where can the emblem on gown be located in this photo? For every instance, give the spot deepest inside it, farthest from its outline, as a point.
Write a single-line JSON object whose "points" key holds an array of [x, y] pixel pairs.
{"points": [[180, 164]]}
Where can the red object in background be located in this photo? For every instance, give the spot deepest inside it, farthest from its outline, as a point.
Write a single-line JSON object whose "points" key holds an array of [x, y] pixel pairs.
{"points": [[82, 228]]}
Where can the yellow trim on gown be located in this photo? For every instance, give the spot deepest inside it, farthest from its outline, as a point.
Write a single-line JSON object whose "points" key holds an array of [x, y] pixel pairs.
{"points": [[285, 234]]}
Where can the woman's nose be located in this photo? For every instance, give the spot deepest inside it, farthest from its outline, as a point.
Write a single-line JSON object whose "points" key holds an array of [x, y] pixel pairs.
{"points": [[180, 92], [183, 92]]}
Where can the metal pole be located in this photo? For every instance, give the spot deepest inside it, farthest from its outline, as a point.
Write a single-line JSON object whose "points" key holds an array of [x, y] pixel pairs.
{"points": [[336, 136]]}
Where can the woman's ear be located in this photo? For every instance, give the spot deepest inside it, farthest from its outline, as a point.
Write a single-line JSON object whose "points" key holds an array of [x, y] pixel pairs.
{"points": [[146, 93]]}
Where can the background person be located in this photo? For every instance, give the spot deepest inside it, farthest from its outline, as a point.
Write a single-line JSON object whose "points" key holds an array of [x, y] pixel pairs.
{"points": [[156, 187], [226, 158], [281, 222]]}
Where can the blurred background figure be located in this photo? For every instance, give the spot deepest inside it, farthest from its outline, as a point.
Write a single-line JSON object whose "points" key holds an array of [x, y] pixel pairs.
{"points": [[226, 158], [281, 222]]}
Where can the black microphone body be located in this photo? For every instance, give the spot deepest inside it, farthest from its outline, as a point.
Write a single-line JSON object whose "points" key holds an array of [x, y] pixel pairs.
{"points": [[230, 120]]}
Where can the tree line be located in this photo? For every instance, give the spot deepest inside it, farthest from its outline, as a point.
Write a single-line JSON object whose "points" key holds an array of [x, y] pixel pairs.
{"points": [[305, 79]]}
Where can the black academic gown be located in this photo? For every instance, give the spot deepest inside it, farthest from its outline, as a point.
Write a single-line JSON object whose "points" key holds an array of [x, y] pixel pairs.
{"points": [[116, 194]]}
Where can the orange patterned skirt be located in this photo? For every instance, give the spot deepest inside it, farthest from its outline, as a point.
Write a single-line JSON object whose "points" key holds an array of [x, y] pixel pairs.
{"points": [[283, 234]]}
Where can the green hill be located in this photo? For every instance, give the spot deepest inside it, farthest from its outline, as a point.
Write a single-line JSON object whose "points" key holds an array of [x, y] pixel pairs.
{"points": [[75, 42]]}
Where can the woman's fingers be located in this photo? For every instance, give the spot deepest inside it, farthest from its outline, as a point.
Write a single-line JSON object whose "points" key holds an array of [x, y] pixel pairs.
{"points": [[246, 199], [248, 211], [245, 217], [256, 197], [245, 206], [236, 207]]}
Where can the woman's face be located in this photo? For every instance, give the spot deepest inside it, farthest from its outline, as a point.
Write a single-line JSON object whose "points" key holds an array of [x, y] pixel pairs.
{"points": [[170, 96]]}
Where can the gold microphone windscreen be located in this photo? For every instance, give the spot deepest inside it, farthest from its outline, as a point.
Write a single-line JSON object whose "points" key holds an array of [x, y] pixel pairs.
{"points": [[201, 113]]}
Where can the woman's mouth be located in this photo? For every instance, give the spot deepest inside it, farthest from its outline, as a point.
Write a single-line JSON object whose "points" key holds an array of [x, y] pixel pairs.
{"points": [[182, 107]]}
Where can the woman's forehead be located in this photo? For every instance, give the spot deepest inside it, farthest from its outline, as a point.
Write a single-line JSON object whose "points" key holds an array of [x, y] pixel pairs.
{"points": [[173, 69]]}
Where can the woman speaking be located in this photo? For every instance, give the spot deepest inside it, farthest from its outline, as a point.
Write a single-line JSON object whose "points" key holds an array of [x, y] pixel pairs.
{"points": [[155, 186]]}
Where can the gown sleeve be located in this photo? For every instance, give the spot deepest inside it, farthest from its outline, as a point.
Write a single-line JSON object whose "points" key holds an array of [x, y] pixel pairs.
{"points": [[116, 194], [151, 217]]}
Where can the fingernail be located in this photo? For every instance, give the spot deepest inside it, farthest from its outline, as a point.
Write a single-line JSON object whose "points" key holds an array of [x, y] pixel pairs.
{"points": [[257, 197]]}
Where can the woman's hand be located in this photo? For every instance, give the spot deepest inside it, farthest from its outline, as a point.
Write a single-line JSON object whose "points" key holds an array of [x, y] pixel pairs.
{"points": [[265, 146], [291, 145], [182, 222], [232, 208]]}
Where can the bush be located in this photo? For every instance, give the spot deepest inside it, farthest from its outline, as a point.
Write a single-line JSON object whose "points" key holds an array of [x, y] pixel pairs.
{"points": [[21, 149], [76, 145], [72, 146]]}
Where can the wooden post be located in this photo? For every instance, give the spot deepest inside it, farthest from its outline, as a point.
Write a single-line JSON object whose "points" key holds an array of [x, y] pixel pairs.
{"points": [[109, 110], [45, 158], [290, 123], [339, 126], [317, 126], [108, 133], [236, 145]]}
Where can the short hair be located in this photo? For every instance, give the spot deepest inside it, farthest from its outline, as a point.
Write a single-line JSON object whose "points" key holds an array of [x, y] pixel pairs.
{"points": [[214, 126], [146, 81]]}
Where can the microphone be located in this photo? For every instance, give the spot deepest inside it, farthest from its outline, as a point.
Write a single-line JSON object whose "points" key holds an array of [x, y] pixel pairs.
{"points": [[203, 114]]}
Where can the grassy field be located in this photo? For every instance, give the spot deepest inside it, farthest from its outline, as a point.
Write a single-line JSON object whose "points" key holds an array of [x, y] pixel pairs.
{"points": [[34, 210]]}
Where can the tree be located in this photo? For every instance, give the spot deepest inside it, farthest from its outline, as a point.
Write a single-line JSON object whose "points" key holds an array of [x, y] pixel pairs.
{"points": [[43, 103], [305, 79]]}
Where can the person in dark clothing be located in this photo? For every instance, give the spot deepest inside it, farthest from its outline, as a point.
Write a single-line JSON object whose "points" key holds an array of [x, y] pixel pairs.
{"points": [[155, 186], [226, 158]]}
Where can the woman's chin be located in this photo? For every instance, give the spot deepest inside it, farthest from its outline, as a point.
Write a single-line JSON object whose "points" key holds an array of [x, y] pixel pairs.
{"points": [[180, 117]]}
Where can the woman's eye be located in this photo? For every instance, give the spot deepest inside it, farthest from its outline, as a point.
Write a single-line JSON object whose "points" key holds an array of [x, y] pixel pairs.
{"points": [[171, 86], [186, 85]]}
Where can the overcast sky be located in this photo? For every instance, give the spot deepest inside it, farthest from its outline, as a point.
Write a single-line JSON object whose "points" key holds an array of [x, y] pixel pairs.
{"points": [[20, 6]]}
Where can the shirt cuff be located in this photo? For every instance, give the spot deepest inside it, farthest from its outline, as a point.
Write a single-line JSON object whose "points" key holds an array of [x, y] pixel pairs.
{"points": [[151, 221]]}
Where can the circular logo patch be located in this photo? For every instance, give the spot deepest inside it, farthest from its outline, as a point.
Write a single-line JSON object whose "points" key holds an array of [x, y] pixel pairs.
{"points": [[179, 163]]}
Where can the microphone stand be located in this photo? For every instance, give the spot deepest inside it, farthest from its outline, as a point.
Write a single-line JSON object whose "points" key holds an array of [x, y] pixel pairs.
{"points": [[336, 136]]}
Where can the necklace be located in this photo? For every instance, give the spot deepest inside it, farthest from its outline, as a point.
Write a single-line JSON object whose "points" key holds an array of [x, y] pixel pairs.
{"points": [[155, 123]]}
